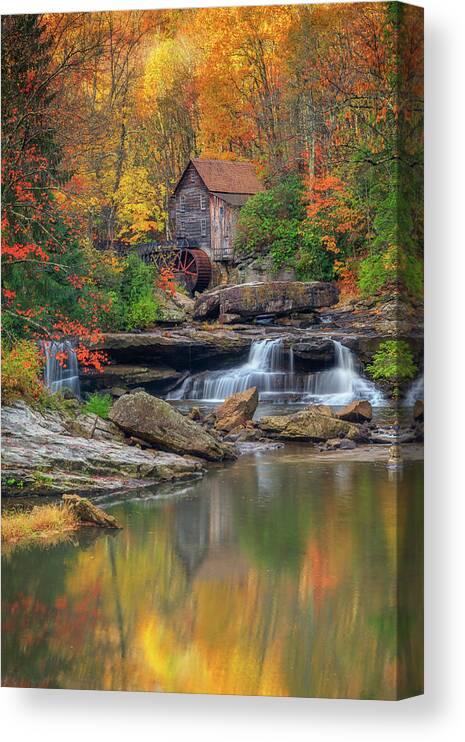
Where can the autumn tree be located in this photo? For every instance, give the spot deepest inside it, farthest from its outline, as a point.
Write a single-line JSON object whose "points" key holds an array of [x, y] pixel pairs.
{"points": [[111, 188], [168, 109], [47, 291], [366, 185]]}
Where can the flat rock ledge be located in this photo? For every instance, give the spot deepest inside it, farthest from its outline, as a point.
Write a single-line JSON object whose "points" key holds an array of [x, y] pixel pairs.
{"points": [[41, 452]]}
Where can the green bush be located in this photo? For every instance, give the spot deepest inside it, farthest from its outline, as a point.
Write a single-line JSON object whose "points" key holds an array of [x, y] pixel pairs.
{"points": [[393, 361], [275, 223], [99, 404], [313, 262], [374, 274], [142, 312], [115, 317], [393, 269], [131, 301], [270, 223]]}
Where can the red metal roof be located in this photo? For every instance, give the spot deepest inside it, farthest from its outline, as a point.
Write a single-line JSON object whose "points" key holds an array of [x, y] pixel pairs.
{"points": [[221, 176]]}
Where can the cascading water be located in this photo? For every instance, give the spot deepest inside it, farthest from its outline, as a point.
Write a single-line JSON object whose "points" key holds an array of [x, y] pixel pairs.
{"points": [[61, 366], [271, 368], [415, 391], [343, 383], [267, 368]]}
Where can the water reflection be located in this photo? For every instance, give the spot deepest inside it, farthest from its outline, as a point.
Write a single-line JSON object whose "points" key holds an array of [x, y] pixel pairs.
{"points": [[275, 575]]}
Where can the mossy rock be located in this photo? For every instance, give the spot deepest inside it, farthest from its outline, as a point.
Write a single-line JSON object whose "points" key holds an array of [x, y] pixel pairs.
{"points": [[86, 512]]}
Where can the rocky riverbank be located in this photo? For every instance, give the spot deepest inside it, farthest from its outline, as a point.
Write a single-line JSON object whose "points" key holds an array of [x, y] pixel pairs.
{"points": [[147, 441], [49, 452]]}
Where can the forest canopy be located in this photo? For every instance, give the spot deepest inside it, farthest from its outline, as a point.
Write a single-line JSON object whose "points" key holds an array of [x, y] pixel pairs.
{"points": [[101, 112]]}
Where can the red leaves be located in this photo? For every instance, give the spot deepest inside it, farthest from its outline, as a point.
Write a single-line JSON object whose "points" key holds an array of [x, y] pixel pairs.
{"points": [[20, 252], [166, 281], [77, 281], [323, 193]]}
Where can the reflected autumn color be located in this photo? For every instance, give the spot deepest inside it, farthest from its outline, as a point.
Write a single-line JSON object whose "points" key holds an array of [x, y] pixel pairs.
{"points": [[277, 575]]}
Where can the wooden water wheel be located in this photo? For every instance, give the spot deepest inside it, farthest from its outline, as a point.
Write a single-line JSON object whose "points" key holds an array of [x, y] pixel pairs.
{"points": [[194, 267]]}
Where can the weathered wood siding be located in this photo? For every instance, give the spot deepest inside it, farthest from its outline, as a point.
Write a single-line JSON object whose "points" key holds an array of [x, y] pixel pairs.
{"points": [[223, 219], [192, 207]]}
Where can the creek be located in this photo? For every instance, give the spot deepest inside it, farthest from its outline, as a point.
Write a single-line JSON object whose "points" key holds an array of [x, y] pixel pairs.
{"points": [[278, 574]]}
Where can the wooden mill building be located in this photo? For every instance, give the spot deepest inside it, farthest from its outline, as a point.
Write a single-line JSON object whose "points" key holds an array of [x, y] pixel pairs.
{"points": [[203, 215], [206, 204]]}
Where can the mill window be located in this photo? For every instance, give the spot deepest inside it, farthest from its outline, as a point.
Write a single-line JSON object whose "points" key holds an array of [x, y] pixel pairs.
{"points": [[203, 227]]}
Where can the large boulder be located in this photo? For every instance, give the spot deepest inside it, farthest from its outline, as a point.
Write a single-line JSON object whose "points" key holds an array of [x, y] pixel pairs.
{"points": [[237, 410], [311, 424], [271, 298], [359, 411], [318, 352], [158, 423]]}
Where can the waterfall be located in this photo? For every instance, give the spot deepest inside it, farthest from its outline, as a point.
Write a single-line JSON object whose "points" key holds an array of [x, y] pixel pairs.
{"points": [[271, 368], [267, 368], [343, 383], [415, 391], [61, 366]]}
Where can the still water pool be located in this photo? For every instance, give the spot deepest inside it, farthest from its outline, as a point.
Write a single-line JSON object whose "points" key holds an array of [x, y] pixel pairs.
{"points": [[281, 574]]}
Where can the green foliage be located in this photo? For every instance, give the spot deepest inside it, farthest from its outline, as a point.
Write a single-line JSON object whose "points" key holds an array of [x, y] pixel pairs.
{"points": [[274, 222], [376, 273], [270, 222], [56, 402], [393, 361], [99, 404], [12, 482], [115, 316], [137, 294], [392, 269], [131, 302], [313, 261], [22, 366], [411, 274], [142, 312]]}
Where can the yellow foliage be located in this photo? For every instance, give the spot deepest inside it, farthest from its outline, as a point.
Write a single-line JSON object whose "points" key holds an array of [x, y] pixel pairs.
{"points": [[140, 205]]}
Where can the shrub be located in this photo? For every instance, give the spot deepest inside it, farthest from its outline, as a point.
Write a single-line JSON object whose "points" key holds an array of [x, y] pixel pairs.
{"points": [[388, 269], [375, 274], [270, 222], [393, 361], [115, 316], [142, 313], [22, 366], [136, 279], [99, 404], [314, 262], [131, 302]]}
